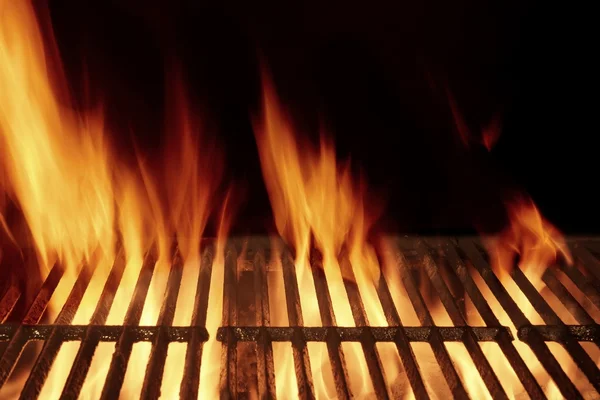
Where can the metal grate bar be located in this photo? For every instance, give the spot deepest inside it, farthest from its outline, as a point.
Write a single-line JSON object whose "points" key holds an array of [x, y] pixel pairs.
{"points": [[356, 334], [470, 341], [9, 301], [264, 348], [401, 340], [360, 318], [193, 356], [587, 288], [536, 343], [459, 270], [579, 355], [107, 333], [85, 354], [572, 305], [437, 345], [590, 263], [228, 379], [581, 333], [160, 346], [10, 354], [299, 350], [334, 348], [124, 345], [43, 364]]}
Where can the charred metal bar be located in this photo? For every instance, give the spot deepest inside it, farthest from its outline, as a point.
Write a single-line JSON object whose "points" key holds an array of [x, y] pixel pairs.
{"points": [[582, 333], [591, 291], [579, 355], [105, 333], [41, 368], [193, 355], [372, 358], [504, 340], [401, 339], [264, 348], [571, 304], [85, 354], [228, 378], [299, 350], [158, 355], [437, 345], [124, 345], [590, 262], [334, 348], [10, 353], [470, 341], [9, 301], [420, 334], [536, 342]]}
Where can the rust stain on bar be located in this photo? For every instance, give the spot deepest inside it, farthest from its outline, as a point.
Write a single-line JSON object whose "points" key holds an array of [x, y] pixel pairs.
{"points": [[193, 356]]}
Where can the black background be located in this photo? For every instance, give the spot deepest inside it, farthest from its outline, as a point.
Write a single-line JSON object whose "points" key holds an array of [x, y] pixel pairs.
{"points": [[374, 73]]}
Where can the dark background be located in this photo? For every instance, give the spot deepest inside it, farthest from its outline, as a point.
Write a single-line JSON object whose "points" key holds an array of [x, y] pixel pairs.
{"points": [[374, 73]]}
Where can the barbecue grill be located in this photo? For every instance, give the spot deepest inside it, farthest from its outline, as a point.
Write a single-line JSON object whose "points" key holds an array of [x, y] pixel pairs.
{"points": [[453, 269]]}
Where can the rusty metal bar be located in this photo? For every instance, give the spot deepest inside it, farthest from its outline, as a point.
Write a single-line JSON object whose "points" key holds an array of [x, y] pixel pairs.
{"points": [[458, 271], [264, 349], [589, 261], [359, 314], [591, 291], [158, 355], [85, 354], [577, 352], [299, 350], [470, 341], [570, 303], [109, 333], [124, 346], [10, 354], [405, 351], [334, 348], [9, 301], [439, 350], [193, 356], [422, 334], [43, 364], [581, 333], [536, 342], [228, 378]]}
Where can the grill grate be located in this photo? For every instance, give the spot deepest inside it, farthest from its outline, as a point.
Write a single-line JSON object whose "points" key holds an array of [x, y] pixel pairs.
{"points": [[443, 265]]}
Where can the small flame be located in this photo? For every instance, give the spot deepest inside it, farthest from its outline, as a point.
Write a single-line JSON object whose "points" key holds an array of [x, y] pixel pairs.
{"points": [[538, 245], [490, 134], [537, 242]]}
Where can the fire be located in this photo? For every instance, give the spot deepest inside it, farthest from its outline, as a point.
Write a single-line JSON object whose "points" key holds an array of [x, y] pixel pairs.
{"points": [[82, 204], [529, 236], [317, 203], [87, 211], [490, 134], [532, 244]]}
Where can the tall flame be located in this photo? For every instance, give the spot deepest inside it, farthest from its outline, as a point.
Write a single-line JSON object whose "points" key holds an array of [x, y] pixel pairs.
{"points": [[317, 204], [80, 202]]}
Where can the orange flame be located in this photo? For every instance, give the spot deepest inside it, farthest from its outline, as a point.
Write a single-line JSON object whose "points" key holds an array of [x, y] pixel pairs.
{"points": [[315, 202], [529, 235], [489, 134], [79, 201]]}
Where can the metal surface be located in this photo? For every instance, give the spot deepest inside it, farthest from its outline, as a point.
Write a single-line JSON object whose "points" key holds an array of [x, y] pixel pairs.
{"points": [[453, 271]]}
